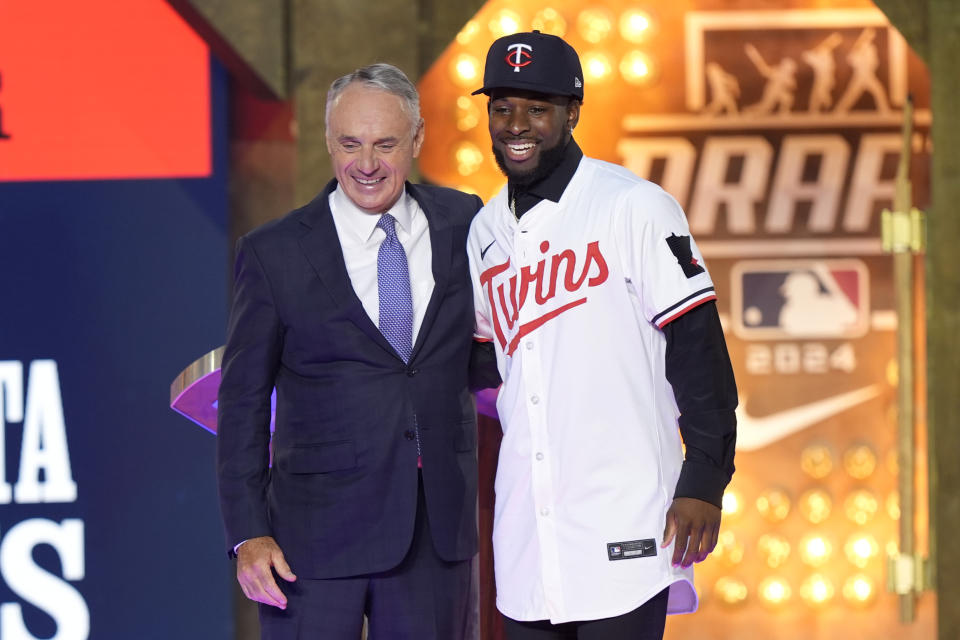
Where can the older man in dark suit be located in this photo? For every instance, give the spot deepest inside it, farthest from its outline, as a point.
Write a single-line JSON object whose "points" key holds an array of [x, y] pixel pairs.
{"points": [[358, 309]]}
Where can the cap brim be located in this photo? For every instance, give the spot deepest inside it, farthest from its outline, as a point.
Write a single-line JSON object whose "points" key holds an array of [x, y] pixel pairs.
{"points": [[529, 86]]}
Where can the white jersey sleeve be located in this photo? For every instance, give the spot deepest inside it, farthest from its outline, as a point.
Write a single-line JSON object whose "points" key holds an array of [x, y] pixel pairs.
{"points": [[660, 257], [483, 329]]}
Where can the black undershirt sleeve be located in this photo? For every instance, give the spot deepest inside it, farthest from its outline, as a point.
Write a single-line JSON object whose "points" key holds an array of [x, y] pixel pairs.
{"points": [[483, 372], [698, 367]]}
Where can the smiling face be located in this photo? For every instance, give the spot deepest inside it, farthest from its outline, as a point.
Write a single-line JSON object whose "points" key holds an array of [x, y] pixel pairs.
{"points": [[372, 142], [529, 131]]}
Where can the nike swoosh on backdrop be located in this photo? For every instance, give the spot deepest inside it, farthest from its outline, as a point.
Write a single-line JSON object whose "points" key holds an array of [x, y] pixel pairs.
{"points": [[483, 252], [755, 433]]}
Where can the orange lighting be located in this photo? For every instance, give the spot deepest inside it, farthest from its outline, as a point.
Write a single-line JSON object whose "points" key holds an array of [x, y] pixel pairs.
{"points": [[775, 591], [859, 590], [637, 68], [860, 506], [893, 505], [468, 113], [729, 549], [468, 157], [860, 461], [773, 505], [504, 23], [816, 461], [594, 24], [730, 591], [815, 550], [466, 35], [550, 21], [815, 505], [816, 590], [596, 66], [635, 25], [732, 503], [465, 70], [860, 549], [774, 549]]}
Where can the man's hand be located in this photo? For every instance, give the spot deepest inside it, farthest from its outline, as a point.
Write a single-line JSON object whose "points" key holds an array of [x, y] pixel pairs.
{"points": [[257, 559], [696, 520]]}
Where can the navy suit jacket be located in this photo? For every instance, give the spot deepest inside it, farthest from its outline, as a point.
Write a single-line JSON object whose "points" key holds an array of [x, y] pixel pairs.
{"points": [[341, 495]]}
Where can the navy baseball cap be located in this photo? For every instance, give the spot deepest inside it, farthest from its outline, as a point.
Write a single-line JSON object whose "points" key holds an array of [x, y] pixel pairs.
{"points": [[533, 61]]}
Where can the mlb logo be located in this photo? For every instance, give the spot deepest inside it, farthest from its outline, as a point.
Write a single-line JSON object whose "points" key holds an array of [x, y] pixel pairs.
{"points": [[789, 299]]}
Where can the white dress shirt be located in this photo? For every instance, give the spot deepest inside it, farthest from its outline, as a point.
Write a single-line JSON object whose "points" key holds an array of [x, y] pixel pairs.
{"points": [[360, 242]]}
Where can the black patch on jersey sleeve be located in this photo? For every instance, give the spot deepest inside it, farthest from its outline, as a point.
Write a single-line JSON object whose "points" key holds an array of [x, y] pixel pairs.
{"points": [[680, 248]]}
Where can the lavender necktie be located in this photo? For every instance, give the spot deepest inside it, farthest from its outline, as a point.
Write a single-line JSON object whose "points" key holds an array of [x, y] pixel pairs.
{"points": [[393, 283]]}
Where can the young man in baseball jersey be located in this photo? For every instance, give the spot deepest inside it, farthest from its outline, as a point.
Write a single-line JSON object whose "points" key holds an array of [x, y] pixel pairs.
{"points": [[607, 338]]}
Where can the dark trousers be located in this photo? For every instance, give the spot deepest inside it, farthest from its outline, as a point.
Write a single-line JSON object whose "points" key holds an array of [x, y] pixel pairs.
{"points": [[643, 623], [422, 598]]}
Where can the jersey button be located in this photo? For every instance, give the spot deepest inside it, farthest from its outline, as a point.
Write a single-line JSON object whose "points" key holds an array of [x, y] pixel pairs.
{"points": [[539, 456], [409, 434], [529, 345], [534, 399], [545, 511]]}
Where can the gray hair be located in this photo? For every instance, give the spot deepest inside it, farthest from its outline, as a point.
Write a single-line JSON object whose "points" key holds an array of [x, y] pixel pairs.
{"points": [[384, 77]]}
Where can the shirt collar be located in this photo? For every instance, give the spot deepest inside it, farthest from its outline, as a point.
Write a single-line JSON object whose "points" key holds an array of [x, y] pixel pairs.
{"points": [[362, 223], [552, 186]]}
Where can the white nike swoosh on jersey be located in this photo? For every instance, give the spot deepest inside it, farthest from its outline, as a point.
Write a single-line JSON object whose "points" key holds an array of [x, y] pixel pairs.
{"points": [[755, 433]]}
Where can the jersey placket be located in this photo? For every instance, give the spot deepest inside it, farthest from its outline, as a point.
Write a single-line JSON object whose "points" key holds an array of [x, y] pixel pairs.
{"points": [[543, 493]]}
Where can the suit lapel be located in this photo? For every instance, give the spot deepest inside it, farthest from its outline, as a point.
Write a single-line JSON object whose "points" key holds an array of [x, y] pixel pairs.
{"points": [[441, 248], [321, 245]]}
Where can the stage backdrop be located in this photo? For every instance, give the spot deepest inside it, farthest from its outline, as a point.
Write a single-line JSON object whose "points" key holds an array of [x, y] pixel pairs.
{"points": [[112, 278], [778, 130]]}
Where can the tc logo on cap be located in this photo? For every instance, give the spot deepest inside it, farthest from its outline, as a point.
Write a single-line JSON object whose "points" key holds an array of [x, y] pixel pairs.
{"points": [[518, 56]]}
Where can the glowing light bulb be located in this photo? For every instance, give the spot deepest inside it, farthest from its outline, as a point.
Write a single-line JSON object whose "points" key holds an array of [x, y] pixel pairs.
{"points": [[860, 506], [860, 549], [504, 23], [774, 549], [816, 461], [815, 550], [730, 591], [468, 157], [731, 502], [816, 590], [815, 505], [594, 24], [465, 70], [860, 461], [637, 68], [549, 20], [468, 113], [596, 66], [775, 591], [635, 25], [859, 590], [773, 505], [469, 30], [893, 505], [729, 549]]}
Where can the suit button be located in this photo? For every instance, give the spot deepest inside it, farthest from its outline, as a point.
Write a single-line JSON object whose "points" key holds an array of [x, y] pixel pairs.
{"points": [[412, 372], [409, 434]]}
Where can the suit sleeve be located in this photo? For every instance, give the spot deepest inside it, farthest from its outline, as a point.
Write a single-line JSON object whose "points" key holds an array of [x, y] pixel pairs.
{"points": [[698, 368], [250, 363]]}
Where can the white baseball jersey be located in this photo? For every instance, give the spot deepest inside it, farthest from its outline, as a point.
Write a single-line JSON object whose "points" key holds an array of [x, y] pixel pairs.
{"points": [[574, 295]]}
